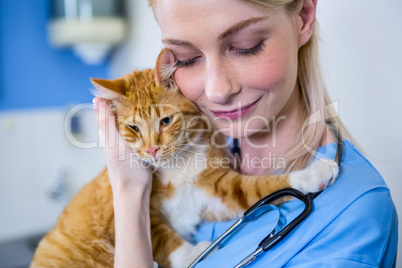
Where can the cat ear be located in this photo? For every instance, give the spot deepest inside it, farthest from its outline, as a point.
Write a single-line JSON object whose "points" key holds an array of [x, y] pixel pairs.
{"points": [[113, 90], [165, 68]]}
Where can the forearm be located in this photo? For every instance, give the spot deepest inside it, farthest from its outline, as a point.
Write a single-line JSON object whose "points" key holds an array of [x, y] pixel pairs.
{"points": [[132, 228]]}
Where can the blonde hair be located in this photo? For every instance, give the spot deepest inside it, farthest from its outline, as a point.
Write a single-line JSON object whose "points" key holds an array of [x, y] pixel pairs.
{"points": [[318, 111], [315, 99]]}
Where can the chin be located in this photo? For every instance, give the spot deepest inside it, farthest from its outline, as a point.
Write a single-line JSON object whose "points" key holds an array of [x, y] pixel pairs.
{"points": [[241, 129]]}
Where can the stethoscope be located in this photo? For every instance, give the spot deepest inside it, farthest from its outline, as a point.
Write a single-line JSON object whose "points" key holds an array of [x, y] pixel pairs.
{"points": [[264, 205]]}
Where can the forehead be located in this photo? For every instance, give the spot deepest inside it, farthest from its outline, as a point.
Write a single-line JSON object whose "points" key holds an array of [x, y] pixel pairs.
{"points": [[187, 18], [147, 102]]}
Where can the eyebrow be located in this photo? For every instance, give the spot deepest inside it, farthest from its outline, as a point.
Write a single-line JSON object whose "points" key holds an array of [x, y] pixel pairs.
{"points": [[240, 26], [176, 42], [232, 30]]}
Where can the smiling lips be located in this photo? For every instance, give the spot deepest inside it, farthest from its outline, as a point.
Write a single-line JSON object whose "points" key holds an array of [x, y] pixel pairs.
{"points": [[236, 113]]}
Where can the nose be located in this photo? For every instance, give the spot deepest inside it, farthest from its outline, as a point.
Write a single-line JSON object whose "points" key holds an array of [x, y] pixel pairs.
{"points": [[220, 81], [152, 151]]}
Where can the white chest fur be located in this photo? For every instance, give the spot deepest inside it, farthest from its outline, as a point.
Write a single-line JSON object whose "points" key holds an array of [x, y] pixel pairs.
{"points": [[183, 210]]}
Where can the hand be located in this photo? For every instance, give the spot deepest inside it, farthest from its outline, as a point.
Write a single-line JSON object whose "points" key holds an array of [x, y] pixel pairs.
{"points": [[131, 185], [125, 169]]}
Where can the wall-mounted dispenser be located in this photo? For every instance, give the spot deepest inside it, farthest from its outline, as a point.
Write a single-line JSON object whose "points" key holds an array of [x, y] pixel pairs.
{"points": [[90, 27]]}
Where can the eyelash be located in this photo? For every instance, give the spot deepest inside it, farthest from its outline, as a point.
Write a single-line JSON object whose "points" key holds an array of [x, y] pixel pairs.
{"points": [[186, 63], [249, 51], [242, 52]]}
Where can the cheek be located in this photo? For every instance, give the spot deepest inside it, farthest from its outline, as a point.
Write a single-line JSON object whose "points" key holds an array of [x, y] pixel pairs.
{"points": [[190, 83], [171, 135], [134, 140], [271, 72]]}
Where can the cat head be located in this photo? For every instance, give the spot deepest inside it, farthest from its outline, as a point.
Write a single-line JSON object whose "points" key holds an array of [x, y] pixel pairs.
{"points": [[152, 115]]}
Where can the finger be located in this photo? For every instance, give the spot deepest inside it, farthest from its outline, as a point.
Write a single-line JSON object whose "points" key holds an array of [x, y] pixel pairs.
{"points": [[102, 116], [109, 137], [118, 154]]}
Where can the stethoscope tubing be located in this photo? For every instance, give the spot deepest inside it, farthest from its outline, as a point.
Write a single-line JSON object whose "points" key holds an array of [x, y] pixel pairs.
{"points": [[270, 241], [273, 238]]}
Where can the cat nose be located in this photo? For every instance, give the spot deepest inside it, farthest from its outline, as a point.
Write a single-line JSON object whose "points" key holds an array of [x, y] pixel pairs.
{"points": [[152, 150]]}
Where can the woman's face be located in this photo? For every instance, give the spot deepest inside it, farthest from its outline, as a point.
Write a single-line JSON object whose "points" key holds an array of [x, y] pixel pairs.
{"points": [[236, 60]]}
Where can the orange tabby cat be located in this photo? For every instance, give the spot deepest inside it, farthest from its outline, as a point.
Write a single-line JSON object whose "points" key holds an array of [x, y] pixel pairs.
{"points": [[192, 182]]}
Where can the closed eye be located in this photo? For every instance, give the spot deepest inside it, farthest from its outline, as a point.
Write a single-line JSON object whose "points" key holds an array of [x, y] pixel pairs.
{"points": [[249, 51], [240, 51], [186, 63]]}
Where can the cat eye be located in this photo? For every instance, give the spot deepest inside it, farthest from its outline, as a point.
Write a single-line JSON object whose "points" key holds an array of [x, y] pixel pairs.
{"points": [[166, 121], [134, 127]]}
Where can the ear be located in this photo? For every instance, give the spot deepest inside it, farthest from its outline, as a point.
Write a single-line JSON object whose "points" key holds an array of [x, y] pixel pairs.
{"points": [[113, 90], [307, 13], [165, 68]]}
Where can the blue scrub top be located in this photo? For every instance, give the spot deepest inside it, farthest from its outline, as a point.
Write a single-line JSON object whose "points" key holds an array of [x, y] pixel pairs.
{"points": [[353, 224]]}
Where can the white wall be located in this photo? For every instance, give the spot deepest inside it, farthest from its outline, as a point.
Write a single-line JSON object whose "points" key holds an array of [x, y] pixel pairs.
{"points": [[362, 56], [362, 53], [33, 148], [143, 44]]}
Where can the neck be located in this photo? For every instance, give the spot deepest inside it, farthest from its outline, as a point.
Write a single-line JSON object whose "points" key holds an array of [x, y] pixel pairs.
{"points": [[265, 150]]}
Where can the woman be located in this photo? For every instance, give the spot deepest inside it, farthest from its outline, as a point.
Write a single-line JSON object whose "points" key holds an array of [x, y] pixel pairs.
{"points": [[252, 68]]}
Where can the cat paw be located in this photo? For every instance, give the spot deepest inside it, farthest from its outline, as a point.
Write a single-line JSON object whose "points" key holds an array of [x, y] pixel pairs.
{"points": [[187, 253], [316, 177]]}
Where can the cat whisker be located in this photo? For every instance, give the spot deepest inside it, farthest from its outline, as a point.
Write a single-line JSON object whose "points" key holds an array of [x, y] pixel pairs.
{"points": [[187, 140], [123, 155], [116, 165], [183, 154], [197, 142], [179, 158], [180, 143], [201, 138], [187, 152], [184, 150], [175, 157], [183, 158]]}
